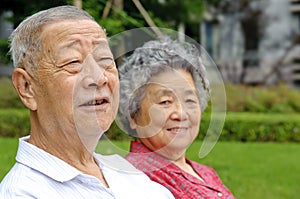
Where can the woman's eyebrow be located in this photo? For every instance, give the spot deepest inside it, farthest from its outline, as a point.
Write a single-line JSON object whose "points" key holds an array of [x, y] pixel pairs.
{"points": [[163, 92], [189, 92]]}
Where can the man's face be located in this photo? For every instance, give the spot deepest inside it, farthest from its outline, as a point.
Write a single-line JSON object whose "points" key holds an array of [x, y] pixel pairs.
{"points": [[77, 86]]}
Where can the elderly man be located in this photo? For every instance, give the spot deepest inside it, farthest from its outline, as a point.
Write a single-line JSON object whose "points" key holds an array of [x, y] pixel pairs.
{"points": [[67, 78]]}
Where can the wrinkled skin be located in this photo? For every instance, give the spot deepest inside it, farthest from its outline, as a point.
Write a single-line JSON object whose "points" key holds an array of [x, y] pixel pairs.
{"points": [[169, 116], [73, 95]]}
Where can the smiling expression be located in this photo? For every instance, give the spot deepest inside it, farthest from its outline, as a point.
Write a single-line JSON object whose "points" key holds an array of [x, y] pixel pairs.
{"points": [[77, 87], [169, 116]]}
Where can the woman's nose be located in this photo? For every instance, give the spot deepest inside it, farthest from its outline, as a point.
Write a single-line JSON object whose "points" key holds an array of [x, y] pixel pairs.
{"points": [[179, 113]]}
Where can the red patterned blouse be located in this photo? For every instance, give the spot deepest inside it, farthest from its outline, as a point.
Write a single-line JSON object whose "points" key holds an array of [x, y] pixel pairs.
{"points": [[182, 184]]}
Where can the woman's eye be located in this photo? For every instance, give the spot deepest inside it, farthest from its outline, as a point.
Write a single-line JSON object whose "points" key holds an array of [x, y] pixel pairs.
{"points": [[165, 102], [190, 101]]}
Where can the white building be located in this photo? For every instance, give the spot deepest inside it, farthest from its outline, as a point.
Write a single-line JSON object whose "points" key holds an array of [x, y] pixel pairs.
{"points": [[248, 43]]}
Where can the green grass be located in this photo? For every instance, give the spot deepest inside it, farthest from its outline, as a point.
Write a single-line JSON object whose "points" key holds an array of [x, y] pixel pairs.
{"points": [[255, 170], [249, 170], [8, 150]]}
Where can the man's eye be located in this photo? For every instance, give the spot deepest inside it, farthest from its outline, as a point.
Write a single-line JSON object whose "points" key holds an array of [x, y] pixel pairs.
{"points": [[106, 63], [74, 62], [73, 66]]}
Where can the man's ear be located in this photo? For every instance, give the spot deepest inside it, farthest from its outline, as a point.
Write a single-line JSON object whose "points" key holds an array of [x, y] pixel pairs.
{"points": [[22, 83]]}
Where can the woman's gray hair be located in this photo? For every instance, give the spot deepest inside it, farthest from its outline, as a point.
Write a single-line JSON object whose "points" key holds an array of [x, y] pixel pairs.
{"points": [[25, 43], [147, 61]]}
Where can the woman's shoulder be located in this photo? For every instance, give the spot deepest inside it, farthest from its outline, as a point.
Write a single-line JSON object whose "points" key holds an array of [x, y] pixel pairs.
{"points": [[201, 167]]}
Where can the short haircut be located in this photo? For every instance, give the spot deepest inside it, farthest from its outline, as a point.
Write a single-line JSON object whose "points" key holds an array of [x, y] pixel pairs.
{"points": [[25, 42]]}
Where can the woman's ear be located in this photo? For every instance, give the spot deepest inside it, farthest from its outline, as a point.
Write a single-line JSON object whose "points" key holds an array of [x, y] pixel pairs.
{"points": [[22, 83], [131, 122]]}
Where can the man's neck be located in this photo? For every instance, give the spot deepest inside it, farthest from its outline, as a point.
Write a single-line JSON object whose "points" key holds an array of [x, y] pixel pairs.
{"points": [[69, 148]]}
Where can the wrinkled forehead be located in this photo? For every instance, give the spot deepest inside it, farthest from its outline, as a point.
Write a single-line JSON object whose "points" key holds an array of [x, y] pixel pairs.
{"points": [[69, 32]]}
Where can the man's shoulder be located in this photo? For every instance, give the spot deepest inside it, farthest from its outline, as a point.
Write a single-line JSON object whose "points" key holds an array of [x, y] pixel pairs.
{"points": [[116, 162], [17, 182], [123, 177]]}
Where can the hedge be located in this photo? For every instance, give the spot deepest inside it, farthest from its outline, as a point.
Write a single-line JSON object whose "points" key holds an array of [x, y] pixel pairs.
{"points": [[240, 98], [237, 127], [258, 127], [269, 99], [14, 122]]}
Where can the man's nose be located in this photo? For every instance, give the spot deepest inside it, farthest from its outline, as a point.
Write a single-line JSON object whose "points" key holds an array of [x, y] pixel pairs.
{"points": [[179, 113], [95, 75]]}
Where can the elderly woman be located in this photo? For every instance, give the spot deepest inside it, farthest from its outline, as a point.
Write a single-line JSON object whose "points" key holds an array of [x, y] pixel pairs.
{"points": [[163, 93]]}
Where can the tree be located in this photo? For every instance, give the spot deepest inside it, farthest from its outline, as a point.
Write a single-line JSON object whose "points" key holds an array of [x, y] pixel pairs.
{"points": [[177, 14], [21, 9], [77, 3], [24, 8]]}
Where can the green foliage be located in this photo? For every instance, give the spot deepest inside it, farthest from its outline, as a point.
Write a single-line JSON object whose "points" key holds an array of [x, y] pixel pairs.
{"points": [[261, 127], [14, 122], [24, 8], [188, 11], [273, 114], [238, 126], [118, 20], [4, 48], [8, 96], [115, 133], [273, 99]]}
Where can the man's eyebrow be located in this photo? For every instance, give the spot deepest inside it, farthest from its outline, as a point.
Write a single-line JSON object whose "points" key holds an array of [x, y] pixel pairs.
{"points": [[69, 44], [100, 41], [96, 42]]}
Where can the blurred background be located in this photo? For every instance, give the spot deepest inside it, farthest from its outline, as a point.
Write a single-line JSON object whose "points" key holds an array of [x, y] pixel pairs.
{"points": [[255, 45], [253, 42]]}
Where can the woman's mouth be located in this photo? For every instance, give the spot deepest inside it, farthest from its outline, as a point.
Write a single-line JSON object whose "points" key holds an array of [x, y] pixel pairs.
{"points": [[177, 130]]}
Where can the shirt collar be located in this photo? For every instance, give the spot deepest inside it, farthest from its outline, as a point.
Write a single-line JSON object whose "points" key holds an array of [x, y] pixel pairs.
{"points": [[44, 162], [152, 159], [136, 148]]}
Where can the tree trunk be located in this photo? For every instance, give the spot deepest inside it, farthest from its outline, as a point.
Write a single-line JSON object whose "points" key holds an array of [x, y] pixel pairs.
{"points": [[181, 32], [147, 17], [77, 3], [121, 49], [107, 9]]}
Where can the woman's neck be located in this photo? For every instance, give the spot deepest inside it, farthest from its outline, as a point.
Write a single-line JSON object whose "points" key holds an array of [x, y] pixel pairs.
{"points": [[185, 166]]}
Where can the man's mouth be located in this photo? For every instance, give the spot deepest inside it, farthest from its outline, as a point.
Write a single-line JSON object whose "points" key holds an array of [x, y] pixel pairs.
{"points": [[96, 102]]}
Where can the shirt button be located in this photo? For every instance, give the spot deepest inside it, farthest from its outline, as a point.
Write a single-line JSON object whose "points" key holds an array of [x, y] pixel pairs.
{"points": [[220, 194]]}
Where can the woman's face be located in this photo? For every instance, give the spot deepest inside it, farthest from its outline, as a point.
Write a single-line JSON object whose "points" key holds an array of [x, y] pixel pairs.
{"points": [[169, 116]]}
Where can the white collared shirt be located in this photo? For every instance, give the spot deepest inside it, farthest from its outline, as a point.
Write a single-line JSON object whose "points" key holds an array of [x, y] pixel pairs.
{"points": [[38, 174]]}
